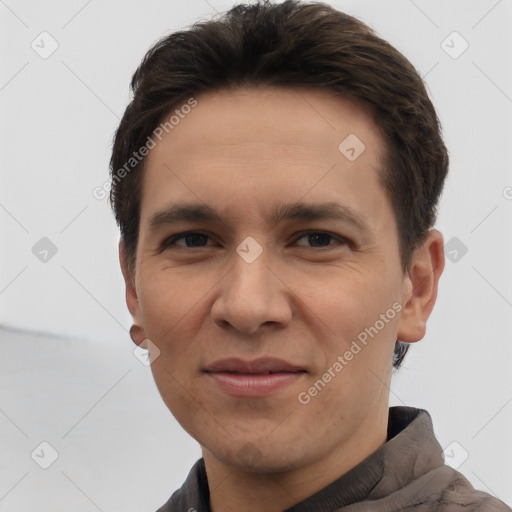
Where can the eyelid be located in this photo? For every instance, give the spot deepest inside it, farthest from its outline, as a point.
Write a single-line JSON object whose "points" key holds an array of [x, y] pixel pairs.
{"points": [[170, 240], [339, 238]]}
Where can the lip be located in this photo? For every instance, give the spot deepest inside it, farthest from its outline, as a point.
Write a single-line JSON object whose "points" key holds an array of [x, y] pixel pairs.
{"points": [[256, 366], [258, 378]]}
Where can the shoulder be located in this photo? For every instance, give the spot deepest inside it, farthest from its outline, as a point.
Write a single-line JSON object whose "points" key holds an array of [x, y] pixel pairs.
{"points": [[460, 495], [442, 489]]}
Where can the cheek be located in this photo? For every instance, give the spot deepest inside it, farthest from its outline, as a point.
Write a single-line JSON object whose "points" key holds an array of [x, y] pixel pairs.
{"points": [[167, 319], [359, 320], [172, 318], [349, 300], [168, 301]]}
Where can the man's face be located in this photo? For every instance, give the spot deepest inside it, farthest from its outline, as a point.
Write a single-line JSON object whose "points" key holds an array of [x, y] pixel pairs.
{"points": [[266, 164]]}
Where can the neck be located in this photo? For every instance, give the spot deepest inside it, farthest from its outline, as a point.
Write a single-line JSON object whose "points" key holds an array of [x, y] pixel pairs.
{"points": [[232, 489]]}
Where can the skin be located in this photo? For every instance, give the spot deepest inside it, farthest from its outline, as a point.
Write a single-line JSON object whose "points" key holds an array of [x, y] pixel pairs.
{"points": [[305, 299]]}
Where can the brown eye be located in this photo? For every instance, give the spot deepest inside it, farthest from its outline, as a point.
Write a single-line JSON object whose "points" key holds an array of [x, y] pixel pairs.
{"points": [[320, 239], [190, 239], [194, 240]]}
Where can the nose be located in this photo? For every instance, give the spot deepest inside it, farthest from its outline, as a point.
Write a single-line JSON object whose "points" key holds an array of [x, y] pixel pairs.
{"points": [[252, 295]]}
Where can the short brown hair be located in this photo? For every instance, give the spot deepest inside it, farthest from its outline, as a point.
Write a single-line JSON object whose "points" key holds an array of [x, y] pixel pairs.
{"points": [[291, 44]]}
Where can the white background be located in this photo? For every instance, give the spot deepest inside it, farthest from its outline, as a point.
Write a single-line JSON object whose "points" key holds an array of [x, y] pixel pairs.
{"points": [[80, 388]]}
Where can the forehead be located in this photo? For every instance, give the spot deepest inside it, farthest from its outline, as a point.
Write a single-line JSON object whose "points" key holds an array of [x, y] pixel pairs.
{"points": [[256, 144], [300, 116]]}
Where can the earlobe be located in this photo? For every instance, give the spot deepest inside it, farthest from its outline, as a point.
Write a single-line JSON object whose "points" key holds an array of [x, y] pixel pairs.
{"points": [[420, 288], [137, 335]]}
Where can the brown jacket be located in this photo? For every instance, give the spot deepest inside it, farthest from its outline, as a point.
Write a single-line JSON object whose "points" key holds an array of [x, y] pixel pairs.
{"points": [[407, 473]]}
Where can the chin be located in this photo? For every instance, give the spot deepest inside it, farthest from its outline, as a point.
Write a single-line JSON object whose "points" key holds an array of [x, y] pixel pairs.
{"points": [[252, 457]]}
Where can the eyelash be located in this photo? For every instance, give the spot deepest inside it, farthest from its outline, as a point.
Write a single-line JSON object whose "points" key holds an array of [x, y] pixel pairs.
{"points": [[169, 242]]}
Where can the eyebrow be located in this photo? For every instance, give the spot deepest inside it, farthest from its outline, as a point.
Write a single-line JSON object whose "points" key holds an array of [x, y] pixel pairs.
{"points": [[293, 211], [182, 213], [320, 211]]}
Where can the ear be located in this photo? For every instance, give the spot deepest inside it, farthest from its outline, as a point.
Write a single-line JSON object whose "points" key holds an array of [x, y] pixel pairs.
{"points": [[132, 301], [420, 287]]}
